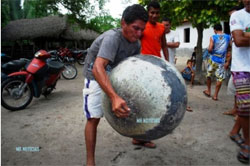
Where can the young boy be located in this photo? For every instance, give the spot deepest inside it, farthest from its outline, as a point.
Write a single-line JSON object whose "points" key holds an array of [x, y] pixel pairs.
{"points": [[188, 72]]}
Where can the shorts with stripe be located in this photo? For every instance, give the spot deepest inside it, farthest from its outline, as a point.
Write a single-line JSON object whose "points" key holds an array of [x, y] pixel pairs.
{"points": [[92, 99], [241, 82], [217, 68]]}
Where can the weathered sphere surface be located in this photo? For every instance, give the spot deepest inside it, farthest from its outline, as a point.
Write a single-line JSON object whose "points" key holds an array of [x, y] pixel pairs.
{"points": [[154, 91]]}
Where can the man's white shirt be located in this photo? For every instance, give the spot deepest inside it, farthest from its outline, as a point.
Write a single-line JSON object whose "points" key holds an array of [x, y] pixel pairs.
{"points": [[172, 36]]}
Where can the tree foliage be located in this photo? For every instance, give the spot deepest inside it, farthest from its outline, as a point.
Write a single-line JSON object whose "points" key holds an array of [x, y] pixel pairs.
{"points": [[205, 12], [10, 10], [78, 11], [5, 10], [37, 9], [103, 23]]}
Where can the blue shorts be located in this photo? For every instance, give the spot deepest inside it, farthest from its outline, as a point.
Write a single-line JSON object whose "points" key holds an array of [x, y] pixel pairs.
{"points": [[187, 76]]}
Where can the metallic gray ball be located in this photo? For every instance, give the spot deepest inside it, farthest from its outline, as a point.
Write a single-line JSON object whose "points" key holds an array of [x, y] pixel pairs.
{"points": [[154, 91]]}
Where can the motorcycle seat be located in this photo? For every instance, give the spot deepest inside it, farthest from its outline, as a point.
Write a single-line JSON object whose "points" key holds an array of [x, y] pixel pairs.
{"points": [[14, 65], [79, 51], [54, 67]]}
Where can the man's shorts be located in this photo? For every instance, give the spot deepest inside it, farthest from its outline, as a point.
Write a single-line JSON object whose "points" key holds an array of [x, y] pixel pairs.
{"points": [[217, 68], [92, 99], [241, 82]]}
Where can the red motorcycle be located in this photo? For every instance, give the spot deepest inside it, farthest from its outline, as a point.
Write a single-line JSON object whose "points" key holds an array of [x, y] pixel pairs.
{"points": [[77, 55], [39, 77]]}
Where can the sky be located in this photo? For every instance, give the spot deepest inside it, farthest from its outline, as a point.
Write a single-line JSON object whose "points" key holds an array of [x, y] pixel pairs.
{"points": [[116, 7]]}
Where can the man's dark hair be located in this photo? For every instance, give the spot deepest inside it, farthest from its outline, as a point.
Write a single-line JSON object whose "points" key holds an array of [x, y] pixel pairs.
{"points": [[134, 12], [166, 19], [153, 4], [218, 27]]}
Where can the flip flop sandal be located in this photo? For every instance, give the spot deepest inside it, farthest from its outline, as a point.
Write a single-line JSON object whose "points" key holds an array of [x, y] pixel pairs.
{"points": [[204, 92], [189, 109], [147, 144], [243, 157], [237, 139]]}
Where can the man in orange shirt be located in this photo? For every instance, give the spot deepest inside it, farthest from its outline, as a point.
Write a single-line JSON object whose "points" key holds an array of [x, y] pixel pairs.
{"points": [[153, 39]]}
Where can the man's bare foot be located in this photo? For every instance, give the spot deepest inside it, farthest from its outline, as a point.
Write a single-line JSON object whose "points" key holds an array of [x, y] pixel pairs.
{"points": [[206, 93], [231, 112], [147, 144], [189, 109], [214, 98]]}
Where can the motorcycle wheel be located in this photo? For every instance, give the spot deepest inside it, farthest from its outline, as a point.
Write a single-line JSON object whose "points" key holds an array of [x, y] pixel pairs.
{"points": [[81, 60], [10, 97], [70, 72]]}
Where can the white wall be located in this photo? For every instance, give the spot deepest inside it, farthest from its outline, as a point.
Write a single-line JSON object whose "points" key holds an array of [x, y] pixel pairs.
{"points": [[193, 36]]}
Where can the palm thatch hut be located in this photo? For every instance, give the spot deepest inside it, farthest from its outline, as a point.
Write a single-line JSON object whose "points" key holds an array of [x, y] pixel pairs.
{"points": [[43, 33]]}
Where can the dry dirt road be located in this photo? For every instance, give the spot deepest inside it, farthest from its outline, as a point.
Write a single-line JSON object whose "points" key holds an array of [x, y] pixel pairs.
{"points": [[51, 132]]}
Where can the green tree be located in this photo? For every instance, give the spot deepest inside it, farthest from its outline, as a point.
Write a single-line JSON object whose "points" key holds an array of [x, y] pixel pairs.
{"points": [[37, 9], [15, 9], [103, 23], [201, 14], [5, 12], [78, 10], [10, 10]]}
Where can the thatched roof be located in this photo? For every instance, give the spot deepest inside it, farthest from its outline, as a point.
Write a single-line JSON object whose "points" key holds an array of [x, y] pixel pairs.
{"points": [[74, 33], [46, 27]]}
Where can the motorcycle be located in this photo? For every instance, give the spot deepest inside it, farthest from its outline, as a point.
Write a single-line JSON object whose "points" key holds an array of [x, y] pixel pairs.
{"points": [[12, 66], [39, 77], [79, 56], [70, 71]]}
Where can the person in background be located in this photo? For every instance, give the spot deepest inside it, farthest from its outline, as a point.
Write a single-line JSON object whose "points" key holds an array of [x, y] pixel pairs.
{"points": [[188, 72], [218, 47], [153, 39], [230, 86], [240, 69], [172, 40], [105, 53]]}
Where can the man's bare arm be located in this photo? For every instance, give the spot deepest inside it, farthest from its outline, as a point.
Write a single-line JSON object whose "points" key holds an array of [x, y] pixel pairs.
{"points": [[229, 55], [239, 39], [211, 45], [119, 106], [173, 44], [164, 47]]}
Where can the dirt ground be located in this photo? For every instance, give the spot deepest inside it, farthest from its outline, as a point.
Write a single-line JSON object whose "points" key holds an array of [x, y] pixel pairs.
{"points": [[51, 132]]}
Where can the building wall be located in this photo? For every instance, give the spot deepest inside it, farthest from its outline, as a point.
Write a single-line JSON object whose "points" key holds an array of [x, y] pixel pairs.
{"points": [[186, 48], [193, 36]]}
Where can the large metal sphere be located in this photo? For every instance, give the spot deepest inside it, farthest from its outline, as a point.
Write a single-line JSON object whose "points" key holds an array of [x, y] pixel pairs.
{"points": [[154, 91]]}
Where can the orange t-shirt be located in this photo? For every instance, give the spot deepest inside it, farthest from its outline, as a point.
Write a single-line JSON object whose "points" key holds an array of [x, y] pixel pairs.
{"points": [[151, 39]]}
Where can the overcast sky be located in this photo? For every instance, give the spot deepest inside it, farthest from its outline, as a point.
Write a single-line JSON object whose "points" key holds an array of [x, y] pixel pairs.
{"points": [[116, 7]]}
